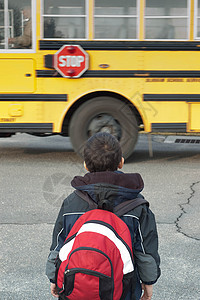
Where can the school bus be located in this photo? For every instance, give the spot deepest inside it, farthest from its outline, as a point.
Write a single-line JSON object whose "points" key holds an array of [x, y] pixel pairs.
{"points": [[137, 68]]}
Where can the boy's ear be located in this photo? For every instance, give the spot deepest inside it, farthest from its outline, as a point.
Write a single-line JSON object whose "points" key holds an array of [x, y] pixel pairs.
{"points": [[85, 166], [121, 163]]}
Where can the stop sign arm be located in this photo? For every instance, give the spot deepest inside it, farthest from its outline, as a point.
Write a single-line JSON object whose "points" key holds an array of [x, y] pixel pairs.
{"points": [[71, 61]]}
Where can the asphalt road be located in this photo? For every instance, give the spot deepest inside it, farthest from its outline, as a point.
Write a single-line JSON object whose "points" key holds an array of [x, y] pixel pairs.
{"points": [[35, 175]]}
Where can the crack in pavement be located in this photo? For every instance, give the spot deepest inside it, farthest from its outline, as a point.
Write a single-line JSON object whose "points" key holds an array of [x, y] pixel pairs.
{"points": [[183, 211]]}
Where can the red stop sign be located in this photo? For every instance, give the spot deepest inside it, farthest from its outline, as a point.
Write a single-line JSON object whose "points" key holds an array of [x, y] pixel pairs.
{"points": [[71, 61]]}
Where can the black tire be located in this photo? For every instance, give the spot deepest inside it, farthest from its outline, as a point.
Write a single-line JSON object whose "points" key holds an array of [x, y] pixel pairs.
{"points": [[104, 114]]}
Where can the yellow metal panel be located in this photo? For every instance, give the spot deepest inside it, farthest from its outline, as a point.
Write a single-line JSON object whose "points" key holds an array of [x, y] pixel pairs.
{"points": [[141, 19], [137, 60], [171, 60], [172, 86], [23, 112], [17, 75], [191, 20], [166, 112], [91, 19], [194, 117], [117, 60]]}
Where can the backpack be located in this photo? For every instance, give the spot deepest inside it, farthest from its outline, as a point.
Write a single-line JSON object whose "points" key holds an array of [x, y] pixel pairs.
{"points": [[96, 260]]}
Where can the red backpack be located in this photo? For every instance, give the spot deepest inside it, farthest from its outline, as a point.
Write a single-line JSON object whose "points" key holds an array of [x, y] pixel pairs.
{"points": [[96, 260]]}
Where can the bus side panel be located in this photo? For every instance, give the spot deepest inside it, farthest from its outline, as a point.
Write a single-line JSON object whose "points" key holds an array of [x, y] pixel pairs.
{"points": [[194, 124], [17, 76]]}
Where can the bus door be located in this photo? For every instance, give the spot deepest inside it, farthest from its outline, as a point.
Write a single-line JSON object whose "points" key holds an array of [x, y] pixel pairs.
{"points": [[17, 62]]}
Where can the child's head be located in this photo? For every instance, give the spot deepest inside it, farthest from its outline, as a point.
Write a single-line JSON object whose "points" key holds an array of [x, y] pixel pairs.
{"points": [[102, 152]]}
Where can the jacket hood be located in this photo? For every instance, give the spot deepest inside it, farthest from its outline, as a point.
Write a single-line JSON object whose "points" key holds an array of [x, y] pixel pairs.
{"points": [[114, 186]]}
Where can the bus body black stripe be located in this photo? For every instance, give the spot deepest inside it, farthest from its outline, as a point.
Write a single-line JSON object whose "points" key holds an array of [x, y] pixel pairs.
{"points": [[34, 97], [48, 127], [124, 74], [26, 127], [172, 97], [141, 73], [123, 45]]}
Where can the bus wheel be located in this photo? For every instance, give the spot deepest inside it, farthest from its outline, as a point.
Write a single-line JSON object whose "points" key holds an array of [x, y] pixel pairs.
{"points": [[104, 114]]}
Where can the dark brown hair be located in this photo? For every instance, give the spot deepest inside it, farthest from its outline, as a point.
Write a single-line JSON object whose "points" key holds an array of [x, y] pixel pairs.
{"points": [[102, 152]]}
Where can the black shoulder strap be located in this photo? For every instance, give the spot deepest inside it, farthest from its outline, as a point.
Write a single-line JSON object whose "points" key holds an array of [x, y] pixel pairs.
{"points": [[120, 209], [128, 205], [86, 197]]}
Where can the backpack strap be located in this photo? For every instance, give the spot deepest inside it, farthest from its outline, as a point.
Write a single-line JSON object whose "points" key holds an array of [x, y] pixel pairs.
{"points": [[120, 209], [86, 197], [128, 205]]}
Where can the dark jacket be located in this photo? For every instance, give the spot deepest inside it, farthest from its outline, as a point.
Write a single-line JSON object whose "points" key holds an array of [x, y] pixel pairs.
{"points": [[117, 187]]}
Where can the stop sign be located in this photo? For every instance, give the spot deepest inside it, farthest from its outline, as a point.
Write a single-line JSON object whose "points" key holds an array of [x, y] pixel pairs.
{"points": [[71, 61]]}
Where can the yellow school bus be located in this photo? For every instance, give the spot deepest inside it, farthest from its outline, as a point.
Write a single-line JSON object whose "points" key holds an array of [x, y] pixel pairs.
{"points": [[79, 67]]}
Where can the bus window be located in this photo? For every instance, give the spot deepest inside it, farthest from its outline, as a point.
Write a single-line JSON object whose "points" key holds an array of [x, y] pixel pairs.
{"points": [[15, 24], [64, 19], [2, 31], [18, 24], [166, 19], [115, 19]]}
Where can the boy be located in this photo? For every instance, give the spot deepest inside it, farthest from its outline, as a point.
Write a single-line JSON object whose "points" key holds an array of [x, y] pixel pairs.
{"points": [[102, 158]]}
